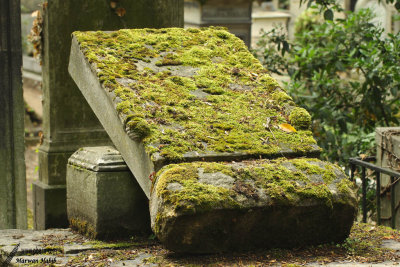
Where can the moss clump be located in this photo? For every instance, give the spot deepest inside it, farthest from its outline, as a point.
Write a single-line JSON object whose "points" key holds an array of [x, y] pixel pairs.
{"points": [[140, 127], [169, 60], [83, 227], [300, 118], [285, 185], [169, 69], [281, 97], [345, 186]]}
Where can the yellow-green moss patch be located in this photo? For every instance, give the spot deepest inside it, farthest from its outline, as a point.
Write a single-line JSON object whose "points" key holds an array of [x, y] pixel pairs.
{"points": [[185, 90], [300, 118], [285, 182]]}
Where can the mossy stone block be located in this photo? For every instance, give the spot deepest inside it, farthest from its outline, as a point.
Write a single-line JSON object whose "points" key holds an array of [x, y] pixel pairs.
{"points": [[203, 207], [174, 95], [104, 200]]}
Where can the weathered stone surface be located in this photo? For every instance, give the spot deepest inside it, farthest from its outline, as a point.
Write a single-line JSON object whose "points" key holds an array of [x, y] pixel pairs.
{"points": [[174, 95], [68, 122], [103, 198], [12, 161], [205, 207], [49, 205], [388, 154]]}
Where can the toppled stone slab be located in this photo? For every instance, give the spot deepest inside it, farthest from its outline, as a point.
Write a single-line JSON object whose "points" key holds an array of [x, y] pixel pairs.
{"points": [[206, 207], [179, 95]]}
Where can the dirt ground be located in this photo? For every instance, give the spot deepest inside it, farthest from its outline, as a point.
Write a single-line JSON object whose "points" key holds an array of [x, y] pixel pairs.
{"points": [[33, 115]]}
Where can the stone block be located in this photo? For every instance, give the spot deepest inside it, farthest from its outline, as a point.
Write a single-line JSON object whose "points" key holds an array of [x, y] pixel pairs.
{"points": [[49, 208], [205, 207], [103, 198]]}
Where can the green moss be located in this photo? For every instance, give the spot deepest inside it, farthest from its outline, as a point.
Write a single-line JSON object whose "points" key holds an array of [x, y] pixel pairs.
{"points": [[140, 127], [238, 94], [281, 97], [345, 186], [169, 60], [97, 244], [285, 185], [300, 118], [83, 227], [310, 167]]}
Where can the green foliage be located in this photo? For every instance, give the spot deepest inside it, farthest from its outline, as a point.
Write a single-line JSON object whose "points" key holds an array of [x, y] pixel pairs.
{"points": [[346, 73]]}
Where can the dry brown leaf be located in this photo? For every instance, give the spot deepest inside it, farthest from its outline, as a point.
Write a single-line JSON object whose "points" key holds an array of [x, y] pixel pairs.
{"points": [[120, 11], [286, 127], [35, 14], [363, 156], [113, 4]]}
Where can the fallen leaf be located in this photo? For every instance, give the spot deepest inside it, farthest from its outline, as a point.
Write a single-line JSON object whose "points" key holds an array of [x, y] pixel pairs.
{"points": [[113, 4], [120, 11], [41, 136], [35, 14], [286, 127]]}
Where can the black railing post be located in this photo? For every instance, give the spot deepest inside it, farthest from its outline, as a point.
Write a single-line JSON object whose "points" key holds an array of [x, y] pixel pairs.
{"points": [[392, 202], [378, 196], [394, 179], [364, 195], [352, 171]]}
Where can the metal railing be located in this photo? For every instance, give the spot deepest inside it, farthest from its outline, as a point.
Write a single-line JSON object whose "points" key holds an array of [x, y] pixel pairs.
{"points": [[394, 179]]}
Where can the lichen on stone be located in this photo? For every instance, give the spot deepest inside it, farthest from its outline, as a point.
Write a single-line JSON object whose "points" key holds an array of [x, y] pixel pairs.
{"points": [[194, 90]]}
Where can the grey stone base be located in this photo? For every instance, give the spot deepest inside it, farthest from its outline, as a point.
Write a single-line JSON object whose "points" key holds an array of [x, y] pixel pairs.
{"points": [[103, 198], [50, 209], [53, 166]]}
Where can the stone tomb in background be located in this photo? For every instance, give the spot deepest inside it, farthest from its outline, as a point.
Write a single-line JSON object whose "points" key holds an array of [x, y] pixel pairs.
{"points": [[208, 135], [233, 14]]}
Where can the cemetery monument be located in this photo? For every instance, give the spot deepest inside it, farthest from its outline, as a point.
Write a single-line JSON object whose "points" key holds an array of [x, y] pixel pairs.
{"points": [[212, 140]]}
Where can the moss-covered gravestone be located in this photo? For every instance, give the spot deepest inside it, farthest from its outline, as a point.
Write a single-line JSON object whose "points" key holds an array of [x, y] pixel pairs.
{"points": [[208, 133]]}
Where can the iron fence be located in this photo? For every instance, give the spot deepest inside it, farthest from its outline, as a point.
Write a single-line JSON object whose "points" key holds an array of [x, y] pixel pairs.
{"points": [[390, 188]]}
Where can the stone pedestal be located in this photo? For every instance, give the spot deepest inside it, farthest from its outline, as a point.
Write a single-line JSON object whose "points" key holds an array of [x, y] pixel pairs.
{"points": [[12, 163], [103, 198], [234, 15], [388, 156], [68, 122]]}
